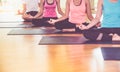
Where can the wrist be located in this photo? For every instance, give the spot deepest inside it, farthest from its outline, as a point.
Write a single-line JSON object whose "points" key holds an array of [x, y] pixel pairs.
{"points": [[87, 27], [56, 20]]}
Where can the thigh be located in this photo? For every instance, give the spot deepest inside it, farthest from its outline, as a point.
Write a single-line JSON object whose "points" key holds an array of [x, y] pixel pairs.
{"points": [[45, 21], [116, 30], [38, 22], [91, 34], [110, 30], [33, 13], [42, 21], [65, 24]]}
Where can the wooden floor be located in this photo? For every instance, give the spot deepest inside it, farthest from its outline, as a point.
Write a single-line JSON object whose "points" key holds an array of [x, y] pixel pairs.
{"points": [[21, 53]]}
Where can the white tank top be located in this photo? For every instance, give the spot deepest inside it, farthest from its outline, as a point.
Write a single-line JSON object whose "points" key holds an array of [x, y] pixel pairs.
{"points": [[31, 5]]}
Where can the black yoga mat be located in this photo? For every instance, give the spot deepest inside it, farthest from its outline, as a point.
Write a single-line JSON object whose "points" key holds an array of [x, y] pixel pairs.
{"points": [[53, 40], [15, 25], [111, 53], [36, 31], [58, 40], [32, 31]]}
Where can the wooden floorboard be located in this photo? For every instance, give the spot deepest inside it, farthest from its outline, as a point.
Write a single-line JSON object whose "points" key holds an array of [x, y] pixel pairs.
{"points": [[21, 53]]}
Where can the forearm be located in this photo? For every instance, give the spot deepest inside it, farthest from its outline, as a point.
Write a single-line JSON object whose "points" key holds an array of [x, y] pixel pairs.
{"points": [[24, 9], [61, 18], [59, 8], [90, 17], [93, 23], [61, 13], [96, 20], [24, 15], [38, 15]]}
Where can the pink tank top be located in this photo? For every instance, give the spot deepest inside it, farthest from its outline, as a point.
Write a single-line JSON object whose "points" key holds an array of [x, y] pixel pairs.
{"points": [[50, 9], [77, 14]]}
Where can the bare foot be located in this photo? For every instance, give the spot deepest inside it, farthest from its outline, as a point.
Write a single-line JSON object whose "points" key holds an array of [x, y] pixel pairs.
{"points": [[68, 30], [99, 36], [111, 34], [116, 37]]}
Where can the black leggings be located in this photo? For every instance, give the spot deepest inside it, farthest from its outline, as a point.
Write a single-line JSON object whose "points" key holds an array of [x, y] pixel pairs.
{"points": [[92, 34], [32, 13], [43, 21], [65, 24]]}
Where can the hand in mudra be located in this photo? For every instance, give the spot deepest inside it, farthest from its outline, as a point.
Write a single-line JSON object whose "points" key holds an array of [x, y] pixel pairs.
{"points": [[83, 27], [52, 21]]}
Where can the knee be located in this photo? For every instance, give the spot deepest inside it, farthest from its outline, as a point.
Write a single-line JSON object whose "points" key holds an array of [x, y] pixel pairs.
{"points": [[35, 22], [86, 34], [90, 35], [58, 26]]}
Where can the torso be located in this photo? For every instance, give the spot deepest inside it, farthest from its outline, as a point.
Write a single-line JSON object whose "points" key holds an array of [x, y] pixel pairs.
{"points": [[50, 8], [77, 13], [31, 5], [111, 14]]}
